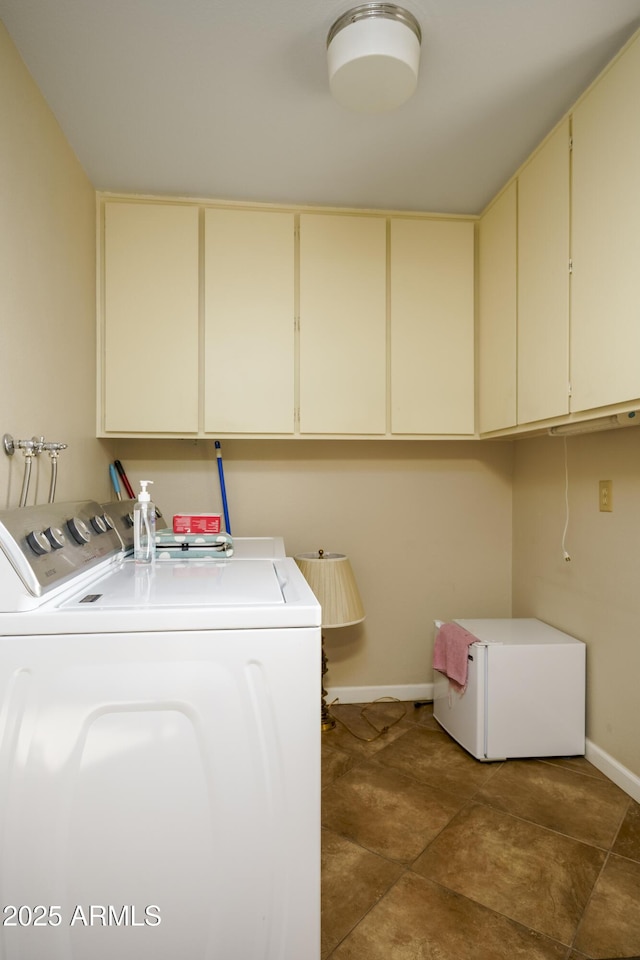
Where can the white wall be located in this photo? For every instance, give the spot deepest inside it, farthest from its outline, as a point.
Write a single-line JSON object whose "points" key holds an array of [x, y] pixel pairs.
{"points": [[47, 293], [595, 596], [426, 525]]}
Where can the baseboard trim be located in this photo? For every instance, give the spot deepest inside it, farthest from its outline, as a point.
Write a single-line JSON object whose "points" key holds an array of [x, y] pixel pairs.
{"points": [[608, 765], [405, 692]]}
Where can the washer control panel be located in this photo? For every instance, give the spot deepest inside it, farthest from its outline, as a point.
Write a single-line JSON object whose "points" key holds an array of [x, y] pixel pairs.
{"points": [[120, 513], [51, 543]]}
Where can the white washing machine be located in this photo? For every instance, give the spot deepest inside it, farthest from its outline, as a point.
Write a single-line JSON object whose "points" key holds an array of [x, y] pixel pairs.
{"points": [[159, 749]]}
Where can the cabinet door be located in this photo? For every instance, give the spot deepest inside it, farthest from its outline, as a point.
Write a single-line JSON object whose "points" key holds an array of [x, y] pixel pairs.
{"points": [[150, 318], [249, 321], [605, 284], [342, 324], [432, 351], [543, 281], [497, 305]]}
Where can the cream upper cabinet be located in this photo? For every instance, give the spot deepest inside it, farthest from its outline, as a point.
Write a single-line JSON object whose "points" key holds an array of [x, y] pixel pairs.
{"points": [[261, 336], [432, 326], [497, 317], [342, 324], [543, 280], [150, 318], [605, 284], [249, 311]]}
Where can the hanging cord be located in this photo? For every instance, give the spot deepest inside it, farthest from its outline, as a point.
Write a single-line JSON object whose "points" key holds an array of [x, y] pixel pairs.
{"points": [[379, 731], [565, 552]]}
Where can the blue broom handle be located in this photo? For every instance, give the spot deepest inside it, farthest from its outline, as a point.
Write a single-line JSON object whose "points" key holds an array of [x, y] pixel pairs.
{"points": [[223, 490]]}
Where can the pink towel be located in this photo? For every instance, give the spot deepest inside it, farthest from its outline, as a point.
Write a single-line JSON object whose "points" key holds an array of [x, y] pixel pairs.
{"points": [[450, 652]]}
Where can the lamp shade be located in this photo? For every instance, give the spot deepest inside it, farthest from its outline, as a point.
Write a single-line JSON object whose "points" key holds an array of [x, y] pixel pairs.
{"points": [[332, 581], [373, 55]]}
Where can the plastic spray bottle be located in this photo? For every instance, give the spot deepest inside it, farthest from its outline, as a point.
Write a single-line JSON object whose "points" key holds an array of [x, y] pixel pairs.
{"points": [[144, 526]]}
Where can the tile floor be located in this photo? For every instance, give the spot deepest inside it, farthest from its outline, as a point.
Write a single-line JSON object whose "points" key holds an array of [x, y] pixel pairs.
{"points": [[429, 854]]}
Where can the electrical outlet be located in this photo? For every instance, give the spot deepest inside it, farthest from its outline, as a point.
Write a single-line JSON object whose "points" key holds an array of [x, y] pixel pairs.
{"points": [[606, 496]]}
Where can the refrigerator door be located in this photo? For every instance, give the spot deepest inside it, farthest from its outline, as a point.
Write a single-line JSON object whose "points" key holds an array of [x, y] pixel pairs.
{"points": [[535, 700], [462, 715]]}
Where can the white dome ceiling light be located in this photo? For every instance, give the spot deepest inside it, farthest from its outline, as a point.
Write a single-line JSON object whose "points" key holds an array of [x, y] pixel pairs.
{"points": [[373, 53]]}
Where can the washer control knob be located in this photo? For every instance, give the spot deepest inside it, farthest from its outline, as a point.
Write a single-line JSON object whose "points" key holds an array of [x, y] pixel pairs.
{"points": [[108, 522], [56, 537], [79, 530], [38, 542], [98, 524]]}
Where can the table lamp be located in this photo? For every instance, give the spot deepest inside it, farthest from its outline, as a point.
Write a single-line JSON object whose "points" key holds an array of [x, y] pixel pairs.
{"points": [[332, 581]]}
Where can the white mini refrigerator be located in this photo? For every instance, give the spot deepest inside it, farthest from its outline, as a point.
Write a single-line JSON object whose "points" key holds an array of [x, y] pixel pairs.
{"points": [[525, 694]]}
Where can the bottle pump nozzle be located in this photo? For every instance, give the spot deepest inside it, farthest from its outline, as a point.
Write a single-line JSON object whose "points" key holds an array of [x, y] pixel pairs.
{"points": [[144, 495]]}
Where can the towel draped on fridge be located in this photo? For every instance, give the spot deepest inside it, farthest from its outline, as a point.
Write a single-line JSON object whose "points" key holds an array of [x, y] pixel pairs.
{"points": [[451, 651]]}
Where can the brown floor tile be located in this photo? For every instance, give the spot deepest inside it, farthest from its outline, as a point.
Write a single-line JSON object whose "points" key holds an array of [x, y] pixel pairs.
{"points": [[628, 840], [526, 872], [335, 762], [379, 714], [434, 758], [521, 861], [611, 923], [423, 715], [387, 812], [353, 880], [419, 920], [586, 808]]}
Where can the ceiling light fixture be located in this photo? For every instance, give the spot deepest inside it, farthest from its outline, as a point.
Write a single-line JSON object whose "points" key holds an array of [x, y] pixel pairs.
{"points": [[373, 54]]}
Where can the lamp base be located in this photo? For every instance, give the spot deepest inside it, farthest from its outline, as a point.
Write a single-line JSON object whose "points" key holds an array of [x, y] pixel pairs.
{"points": [[326, 720]]}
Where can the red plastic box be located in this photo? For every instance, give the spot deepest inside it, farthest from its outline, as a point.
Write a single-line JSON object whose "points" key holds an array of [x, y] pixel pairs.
{"points": [[196, 523]]}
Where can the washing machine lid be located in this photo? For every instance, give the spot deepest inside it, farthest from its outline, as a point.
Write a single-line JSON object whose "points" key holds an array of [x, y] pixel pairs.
{"points": [[191, 595], [182, 584]]}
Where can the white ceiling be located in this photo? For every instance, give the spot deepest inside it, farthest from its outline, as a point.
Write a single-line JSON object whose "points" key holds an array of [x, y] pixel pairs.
{"points": [[230, 99]]}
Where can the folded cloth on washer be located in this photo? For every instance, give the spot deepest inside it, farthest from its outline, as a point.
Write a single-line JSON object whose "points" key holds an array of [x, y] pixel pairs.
{"points": [[193, 546], [451, 651]]}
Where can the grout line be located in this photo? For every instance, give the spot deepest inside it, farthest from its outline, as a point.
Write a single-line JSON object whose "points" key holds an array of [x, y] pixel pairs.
{"points": [[620, 825], [589, 899], [368, 911]]}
